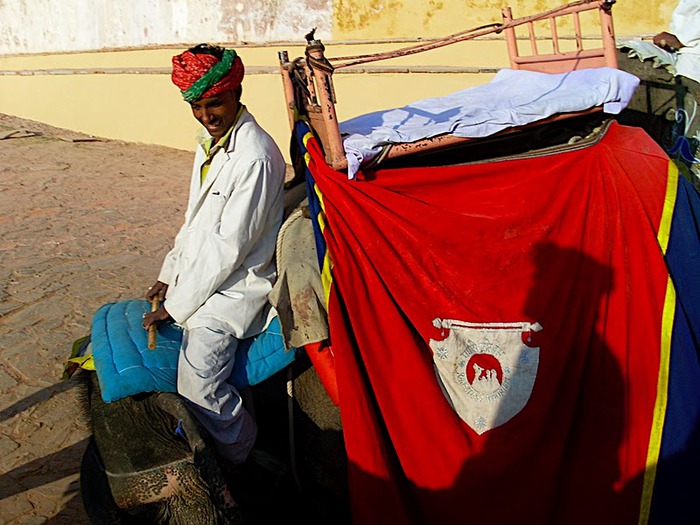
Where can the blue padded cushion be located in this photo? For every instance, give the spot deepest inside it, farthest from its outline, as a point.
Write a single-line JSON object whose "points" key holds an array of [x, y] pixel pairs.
{"points": [[126, 366]]}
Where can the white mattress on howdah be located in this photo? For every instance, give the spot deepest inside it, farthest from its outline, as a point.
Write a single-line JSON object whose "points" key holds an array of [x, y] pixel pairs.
{"points": [[512, 98]]}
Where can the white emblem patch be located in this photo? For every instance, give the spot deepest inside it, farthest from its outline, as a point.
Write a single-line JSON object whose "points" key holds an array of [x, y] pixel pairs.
{"points": [[487, 370]]}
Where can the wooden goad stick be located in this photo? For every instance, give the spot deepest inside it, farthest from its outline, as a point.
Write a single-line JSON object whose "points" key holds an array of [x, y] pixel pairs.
{"points": [[153, 330]]}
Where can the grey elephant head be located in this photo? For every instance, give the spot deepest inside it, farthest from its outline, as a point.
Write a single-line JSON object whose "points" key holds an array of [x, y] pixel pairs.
{"points": [[149, 461]]}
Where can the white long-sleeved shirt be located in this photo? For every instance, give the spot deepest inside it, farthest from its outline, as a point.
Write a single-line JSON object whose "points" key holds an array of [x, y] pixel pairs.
{"points": [[685, 25], [222, 265]]}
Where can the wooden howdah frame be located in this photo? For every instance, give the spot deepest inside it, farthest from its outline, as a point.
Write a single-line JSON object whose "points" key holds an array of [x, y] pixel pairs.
{"points": [[308, 80]]}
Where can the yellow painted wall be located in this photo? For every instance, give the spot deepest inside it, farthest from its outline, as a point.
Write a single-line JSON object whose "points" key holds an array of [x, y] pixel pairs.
{"points": [[148, 108], [130, 106], [432, 18]]}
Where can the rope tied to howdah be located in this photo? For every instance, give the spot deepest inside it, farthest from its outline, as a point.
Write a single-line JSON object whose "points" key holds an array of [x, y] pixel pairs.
{"points": [[469, 34], [203, 75]]}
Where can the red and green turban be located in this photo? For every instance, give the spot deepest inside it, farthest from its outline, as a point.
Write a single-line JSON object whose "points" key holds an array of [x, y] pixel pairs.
{"points": [[201, 75]]}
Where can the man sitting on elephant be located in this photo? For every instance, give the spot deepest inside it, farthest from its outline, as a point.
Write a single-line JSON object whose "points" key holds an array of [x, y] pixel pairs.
{"points": [[216, 279]]}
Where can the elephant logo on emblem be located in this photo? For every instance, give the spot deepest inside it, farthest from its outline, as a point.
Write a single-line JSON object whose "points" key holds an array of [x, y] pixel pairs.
{"points": [[487, 369]]}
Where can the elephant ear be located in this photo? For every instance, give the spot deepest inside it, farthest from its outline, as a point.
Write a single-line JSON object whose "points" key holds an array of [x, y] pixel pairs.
{"points": [[144, 444]]}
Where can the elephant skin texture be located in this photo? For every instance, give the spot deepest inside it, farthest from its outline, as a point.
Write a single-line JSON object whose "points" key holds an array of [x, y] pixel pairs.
{"points": [[138, 469]]}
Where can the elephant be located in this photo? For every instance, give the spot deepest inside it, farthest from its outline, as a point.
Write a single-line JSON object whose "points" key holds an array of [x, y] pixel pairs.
{"points": [[148, 460]]}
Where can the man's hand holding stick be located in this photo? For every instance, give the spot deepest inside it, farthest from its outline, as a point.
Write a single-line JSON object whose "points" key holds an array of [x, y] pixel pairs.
{"points": [[155, 295]]}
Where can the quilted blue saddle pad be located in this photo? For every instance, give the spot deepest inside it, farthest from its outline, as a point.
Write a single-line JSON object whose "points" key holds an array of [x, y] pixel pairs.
{"points": [[126, 366]]}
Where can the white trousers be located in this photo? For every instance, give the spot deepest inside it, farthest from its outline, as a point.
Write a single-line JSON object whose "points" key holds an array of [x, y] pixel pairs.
{"points": [[205, 363]]}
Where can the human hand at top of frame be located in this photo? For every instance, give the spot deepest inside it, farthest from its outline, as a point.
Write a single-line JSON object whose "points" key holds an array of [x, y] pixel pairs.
{"points": [[667, 41]]}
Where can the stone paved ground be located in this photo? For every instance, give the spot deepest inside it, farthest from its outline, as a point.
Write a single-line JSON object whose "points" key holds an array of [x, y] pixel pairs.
{"points": [[82, 223]]}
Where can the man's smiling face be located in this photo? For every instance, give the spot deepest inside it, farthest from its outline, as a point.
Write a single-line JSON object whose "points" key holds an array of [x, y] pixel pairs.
{"points": [[216, 113]]}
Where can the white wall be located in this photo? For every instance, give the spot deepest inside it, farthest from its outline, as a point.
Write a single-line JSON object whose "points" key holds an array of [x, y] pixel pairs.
{"points": [[40, 26]]}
